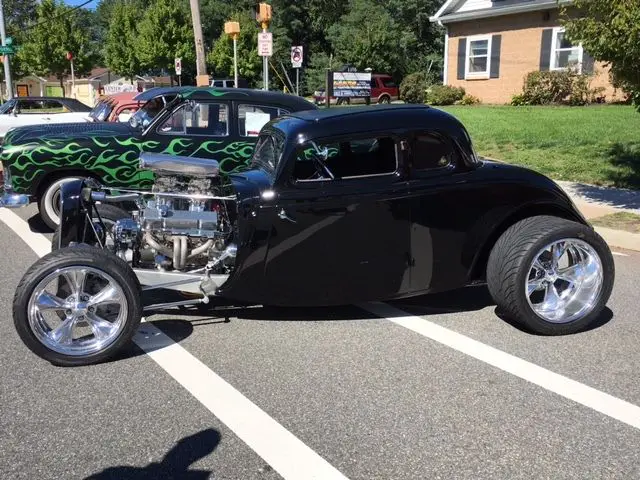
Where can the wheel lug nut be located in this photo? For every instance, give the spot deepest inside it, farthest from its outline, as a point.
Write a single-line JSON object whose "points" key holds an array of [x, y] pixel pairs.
{"points": [[80, 317], [68, 312], [91, 309]]}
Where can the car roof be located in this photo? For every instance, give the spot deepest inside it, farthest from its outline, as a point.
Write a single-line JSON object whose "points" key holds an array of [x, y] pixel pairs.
{"points": [[229, 93], [66, 100], [337, 121]]}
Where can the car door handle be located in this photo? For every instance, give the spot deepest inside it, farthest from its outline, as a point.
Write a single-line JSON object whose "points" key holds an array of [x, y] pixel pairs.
{"points": [[283, 215]]}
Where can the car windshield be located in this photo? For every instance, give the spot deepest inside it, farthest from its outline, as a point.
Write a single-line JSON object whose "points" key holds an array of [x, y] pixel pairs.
{"points": [[101, 111], [7, 106], [268, 150], [145, 115]]}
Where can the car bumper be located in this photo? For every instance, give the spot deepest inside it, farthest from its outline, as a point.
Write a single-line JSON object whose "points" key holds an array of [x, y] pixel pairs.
{"points": [[10, 199]]}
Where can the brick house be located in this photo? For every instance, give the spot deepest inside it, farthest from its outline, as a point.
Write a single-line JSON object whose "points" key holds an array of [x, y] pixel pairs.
{"points": [[490, 46]]}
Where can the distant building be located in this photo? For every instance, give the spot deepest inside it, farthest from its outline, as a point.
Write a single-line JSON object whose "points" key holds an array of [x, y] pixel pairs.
{"points": [[491, 45]]}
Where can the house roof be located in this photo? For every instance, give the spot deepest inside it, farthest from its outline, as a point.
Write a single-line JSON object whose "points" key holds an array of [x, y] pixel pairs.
{"points": [[449, 12]]}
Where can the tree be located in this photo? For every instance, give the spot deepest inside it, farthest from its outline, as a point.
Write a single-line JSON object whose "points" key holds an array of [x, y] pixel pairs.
{"points": [[122, 39], [56, 32], [368, 36], [610, 32], [249, 63], [164, 33]]}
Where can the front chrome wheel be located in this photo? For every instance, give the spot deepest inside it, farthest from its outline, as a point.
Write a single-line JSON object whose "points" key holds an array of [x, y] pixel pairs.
{"points": [[77, 311], [565, 280]]}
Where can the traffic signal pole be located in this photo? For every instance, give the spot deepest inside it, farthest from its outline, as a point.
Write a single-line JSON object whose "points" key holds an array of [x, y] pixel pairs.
{"points": [[5, 61]]}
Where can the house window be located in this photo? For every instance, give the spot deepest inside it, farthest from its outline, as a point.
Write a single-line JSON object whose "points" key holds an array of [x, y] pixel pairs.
{"points": [[478, 57], [564, 54]]}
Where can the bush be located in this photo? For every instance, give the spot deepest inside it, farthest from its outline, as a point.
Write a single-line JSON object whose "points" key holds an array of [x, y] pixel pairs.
{"points": [[444, 95], [556, 87], [413, 87], [468, 100]]}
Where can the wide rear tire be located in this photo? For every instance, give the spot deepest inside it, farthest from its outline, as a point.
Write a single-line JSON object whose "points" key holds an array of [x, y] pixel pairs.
{"points": [[552, 276], [77, 306]]}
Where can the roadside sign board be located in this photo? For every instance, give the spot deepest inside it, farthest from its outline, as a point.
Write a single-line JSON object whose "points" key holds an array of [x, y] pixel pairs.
{"points": [[351, 84], [178, 64], [7, 49], [296, 56], [265, 44]]}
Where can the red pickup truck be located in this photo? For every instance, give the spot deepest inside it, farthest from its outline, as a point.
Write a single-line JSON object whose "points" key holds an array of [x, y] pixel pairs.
{"points": [[383, 90]]}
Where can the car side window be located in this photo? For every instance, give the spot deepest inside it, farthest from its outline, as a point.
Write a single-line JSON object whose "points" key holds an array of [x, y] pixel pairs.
{"points": [[345, 160], [29, 106], [430, 152], [251, 118], [203, 118]]}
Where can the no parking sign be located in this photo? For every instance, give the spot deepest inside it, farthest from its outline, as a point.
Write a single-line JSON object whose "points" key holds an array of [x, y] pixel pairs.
{"points": [[296, 57]]}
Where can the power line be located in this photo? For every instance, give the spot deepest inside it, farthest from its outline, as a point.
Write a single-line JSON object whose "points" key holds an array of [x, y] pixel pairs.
{"points": [[59, 16]]}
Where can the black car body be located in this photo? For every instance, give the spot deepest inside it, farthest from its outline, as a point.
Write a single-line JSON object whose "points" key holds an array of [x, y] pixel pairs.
{"points": [[343, 206]]}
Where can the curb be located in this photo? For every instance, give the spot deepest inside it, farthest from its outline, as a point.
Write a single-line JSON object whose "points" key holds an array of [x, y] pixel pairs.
{"points": [[620, 238]]}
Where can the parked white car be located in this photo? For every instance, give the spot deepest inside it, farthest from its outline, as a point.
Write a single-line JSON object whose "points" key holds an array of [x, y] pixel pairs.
{"points": [[23, 111]]}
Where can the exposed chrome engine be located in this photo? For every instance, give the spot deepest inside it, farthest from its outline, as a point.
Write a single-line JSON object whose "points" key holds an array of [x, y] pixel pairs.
{"points": [[184, 224]]}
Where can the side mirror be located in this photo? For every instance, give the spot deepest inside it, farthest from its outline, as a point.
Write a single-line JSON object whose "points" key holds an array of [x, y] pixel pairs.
{"points": [[124, 117]]}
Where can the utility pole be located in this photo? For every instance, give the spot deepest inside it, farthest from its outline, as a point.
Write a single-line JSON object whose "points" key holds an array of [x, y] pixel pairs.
{"points": [[202, 79], [5, 61]]}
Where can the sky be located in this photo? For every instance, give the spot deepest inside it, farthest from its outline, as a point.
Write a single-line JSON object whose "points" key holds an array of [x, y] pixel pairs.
{"points": [[73, 3]]}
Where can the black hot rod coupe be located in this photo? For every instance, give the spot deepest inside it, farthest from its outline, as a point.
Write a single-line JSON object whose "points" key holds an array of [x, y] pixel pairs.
{"points": [[336, 207]]}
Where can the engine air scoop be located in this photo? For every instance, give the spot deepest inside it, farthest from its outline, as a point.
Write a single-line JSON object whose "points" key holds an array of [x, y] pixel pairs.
{"points": [[163, 164]]}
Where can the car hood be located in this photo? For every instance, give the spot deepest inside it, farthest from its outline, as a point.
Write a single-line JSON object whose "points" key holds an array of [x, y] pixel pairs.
{"points": [[67, 132]]}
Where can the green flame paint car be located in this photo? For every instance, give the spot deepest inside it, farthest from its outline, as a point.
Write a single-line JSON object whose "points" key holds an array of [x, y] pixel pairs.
{"points": [[221, 124]]}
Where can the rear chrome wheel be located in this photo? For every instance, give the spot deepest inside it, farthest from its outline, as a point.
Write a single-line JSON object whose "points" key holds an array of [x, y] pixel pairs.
{"points": [[77, 306], [564, 281], [551, 275]]}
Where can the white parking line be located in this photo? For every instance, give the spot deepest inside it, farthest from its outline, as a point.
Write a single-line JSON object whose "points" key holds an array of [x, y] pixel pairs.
{"points": [[578, 392], [620, 254], [282, 450]]}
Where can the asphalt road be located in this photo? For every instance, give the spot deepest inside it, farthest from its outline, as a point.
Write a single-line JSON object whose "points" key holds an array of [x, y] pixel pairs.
{"points": [[428, 388]]}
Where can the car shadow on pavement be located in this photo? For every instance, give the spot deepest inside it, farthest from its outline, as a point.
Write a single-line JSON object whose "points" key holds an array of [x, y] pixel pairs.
{"points": [[175, 464], [37, 225], [471, 299]]}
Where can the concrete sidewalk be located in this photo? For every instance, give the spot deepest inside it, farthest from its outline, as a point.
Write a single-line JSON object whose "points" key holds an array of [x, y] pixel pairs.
{"points": [[595, 202]]}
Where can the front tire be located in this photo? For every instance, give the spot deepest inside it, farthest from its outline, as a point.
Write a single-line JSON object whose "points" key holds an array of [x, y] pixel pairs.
{"points": [[77, 306], [49, 202], [550, 275]]}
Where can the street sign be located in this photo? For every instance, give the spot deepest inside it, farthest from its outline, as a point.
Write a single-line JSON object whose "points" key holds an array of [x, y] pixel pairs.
{"points": [[178, 65], [8, 41], [7, 50], [296, 56], [265, 44]]}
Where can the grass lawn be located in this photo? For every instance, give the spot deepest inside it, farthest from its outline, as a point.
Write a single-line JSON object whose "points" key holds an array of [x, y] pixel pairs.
{"points": [[619, 221], [599, 144]]}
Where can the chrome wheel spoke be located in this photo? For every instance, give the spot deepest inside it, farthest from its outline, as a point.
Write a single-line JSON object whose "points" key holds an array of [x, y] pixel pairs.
{"points": [[534, 285], [557, 251], [75, 279], [100, 327], [108, 295], [572, 274], [551, 298], [63, 333], [47, 301]]}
